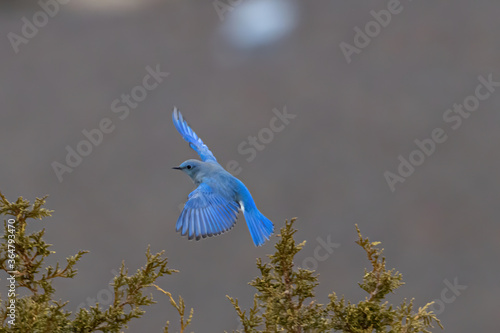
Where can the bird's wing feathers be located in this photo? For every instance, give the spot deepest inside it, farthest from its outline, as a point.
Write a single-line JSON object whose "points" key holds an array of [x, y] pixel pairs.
{"points": [[190, 136], [206, 214]]}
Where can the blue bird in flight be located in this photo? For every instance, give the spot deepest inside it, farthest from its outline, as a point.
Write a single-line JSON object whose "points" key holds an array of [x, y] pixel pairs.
{"points": [[213, 207]]}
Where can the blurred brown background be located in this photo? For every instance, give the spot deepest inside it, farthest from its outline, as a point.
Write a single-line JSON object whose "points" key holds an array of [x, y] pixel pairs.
{"points": [[227, 72]]}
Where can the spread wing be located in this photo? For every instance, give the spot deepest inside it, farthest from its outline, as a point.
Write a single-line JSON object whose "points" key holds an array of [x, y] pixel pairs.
{"points": [[190, 136], [206, 214]]}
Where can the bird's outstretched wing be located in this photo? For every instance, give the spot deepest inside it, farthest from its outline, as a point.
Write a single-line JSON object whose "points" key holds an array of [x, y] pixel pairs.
{"points": [[206, 214], [190, 136]]}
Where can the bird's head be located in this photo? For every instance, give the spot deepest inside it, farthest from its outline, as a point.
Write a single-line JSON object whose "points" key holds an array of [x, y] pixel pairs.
{"points": [[190, 167]]}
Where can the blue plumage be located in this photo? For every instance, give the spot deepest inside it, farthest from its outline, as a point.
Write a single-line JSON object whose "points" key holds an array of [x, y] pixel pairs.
{"points": [[213, 207]]}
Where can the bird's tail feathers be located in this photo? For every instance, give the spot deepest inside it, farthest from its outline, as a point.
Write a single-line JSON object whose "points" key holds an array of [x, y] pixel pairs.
{"points": [[261, 228]]}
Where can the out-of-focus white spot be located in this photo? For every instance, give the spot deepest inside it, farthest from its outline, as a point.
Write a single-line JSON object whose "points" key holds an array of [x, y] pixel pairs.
{"points": [[256, 23]]}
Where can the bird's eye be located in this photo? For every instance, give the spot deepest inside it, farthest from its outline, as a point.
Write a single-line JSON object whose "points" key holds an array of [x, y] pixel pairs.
{"points": [[188, 167]]}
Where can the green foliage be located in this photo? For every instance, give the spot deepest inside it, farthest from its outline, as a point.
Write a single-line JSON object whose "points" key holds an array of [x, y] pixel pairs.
{"points": [[284, 302], [23, 255], [181, 307], [285, 297]]}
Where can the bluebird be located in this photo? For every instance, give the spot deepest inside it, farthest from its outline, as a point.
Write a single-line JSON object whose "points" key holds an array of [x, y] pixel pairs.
{"points": [[213, 207]]}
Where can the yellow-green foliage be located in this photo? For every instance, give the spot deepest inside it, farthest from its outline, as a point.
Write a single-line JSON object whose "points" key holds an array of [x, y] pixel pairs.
{"points": [[285, 297], [284, 302], [37, 311]]}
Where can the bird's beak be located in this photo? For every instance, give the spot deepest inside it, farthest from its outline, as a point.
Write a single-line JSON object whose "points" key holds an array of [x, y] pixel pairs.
{"points": [[177, 168]]}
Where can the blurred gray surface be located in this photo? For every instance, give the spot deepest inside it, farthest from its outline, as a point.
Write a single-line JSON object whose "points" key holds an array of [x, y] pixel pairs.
{"points": [[326, 167]]}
